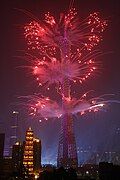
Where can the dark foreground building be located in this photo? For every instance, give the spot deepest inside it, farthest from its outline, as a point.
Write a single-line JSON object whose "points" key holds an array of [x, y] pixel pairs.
{"points": [[108, 171], [2, 139], [17, 156]]}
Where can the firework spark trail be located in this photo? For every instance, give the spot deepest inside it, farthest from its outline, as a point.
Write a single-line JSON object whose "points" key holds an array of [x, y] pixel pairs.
{"points": [[64, 53], [48, 37], [55, 71], [50, 33], [44, 107], [52, 70]]}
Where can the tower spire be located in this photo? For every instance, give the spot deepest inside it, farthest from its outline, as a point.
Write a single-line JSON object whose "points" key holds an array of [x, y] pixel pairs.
{"points": [[67, 153]]}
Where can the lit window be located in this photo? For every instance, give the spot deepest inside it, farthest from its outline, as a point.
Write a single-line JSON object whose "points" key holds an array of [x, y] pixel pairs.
{"points": [[30, 162]]}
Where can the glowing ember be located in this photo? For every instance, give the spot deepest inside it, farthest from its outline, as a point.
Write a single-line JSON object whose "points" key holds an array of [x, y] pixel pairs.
{"points": [[83, 34], [45, 108], [64, 53], [53, 70]]}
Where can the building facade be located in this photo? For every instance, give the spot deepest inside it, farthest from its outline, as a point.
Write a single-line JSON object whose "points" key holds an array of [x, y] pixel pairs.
{"points": [[2, 139], [67, 152], [32, 152], [17, 156], [36, 154], [14, 131]]}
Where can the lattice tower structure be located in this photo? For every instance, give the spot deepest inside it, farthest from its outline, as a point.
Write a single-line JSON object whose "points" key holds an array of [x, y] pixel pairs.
{"points": [[67, 151]]}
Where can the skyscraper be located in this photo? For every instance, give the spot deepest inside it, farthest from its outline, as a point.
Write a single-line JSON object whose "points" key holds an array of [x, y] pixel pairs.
{"points": [[14, 126], [2, 139], [17, 156], [36, 154], [32, 152], [67, 152], [28, 151]]}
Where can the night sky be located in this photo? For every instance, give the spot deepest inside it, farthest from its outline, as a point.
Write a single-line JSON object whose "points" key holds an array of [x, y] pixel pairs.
{"points": [[100, 131]]}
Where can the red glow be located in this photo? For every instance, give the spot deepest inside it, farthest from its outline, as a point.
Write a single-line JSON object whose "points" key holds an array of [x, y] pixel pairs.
{"points": [[64, 51]]}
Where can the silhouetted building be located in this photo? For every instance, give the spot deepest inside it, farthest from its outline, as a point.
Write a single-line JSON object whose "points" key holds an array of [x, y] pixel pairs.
{"points": [[2, 139], [14, 128], [36, 154], [109, 171], [7, 168], [17, 156]]}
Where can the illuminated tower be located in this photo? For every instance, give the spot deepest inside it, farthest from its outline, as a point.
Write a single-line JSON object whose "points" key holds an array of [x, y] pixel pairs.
{"points": [[14, 128], [28, 151], [67, 152], [32, 152], [65, 55]]}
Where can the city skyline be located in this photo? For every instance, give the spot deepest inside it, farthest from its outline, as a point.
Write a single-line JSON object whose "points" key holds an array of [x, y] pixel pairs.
{"points": [[11, 75]]}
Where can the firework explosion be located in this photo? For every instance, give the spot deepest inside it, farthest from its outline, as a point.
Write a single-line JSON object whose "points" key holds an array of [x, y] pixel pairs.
{"points": [[51, 70], [84, 34], [65, 53], [46, 108]]}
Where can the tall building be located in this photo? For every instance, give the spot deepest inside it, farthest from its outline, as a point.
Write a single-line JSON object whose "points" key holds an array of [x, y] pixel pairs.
{"points": [[14, 128], [36, 154], [17, 156], [28, 151], [7, 168], [67, 152], [32, 152], [2, 139]]}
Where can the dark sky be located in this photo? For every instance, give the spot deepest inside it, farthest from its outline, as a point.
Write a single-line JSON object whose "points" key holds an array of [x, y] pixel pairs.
{"points": [[15, 82]]}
